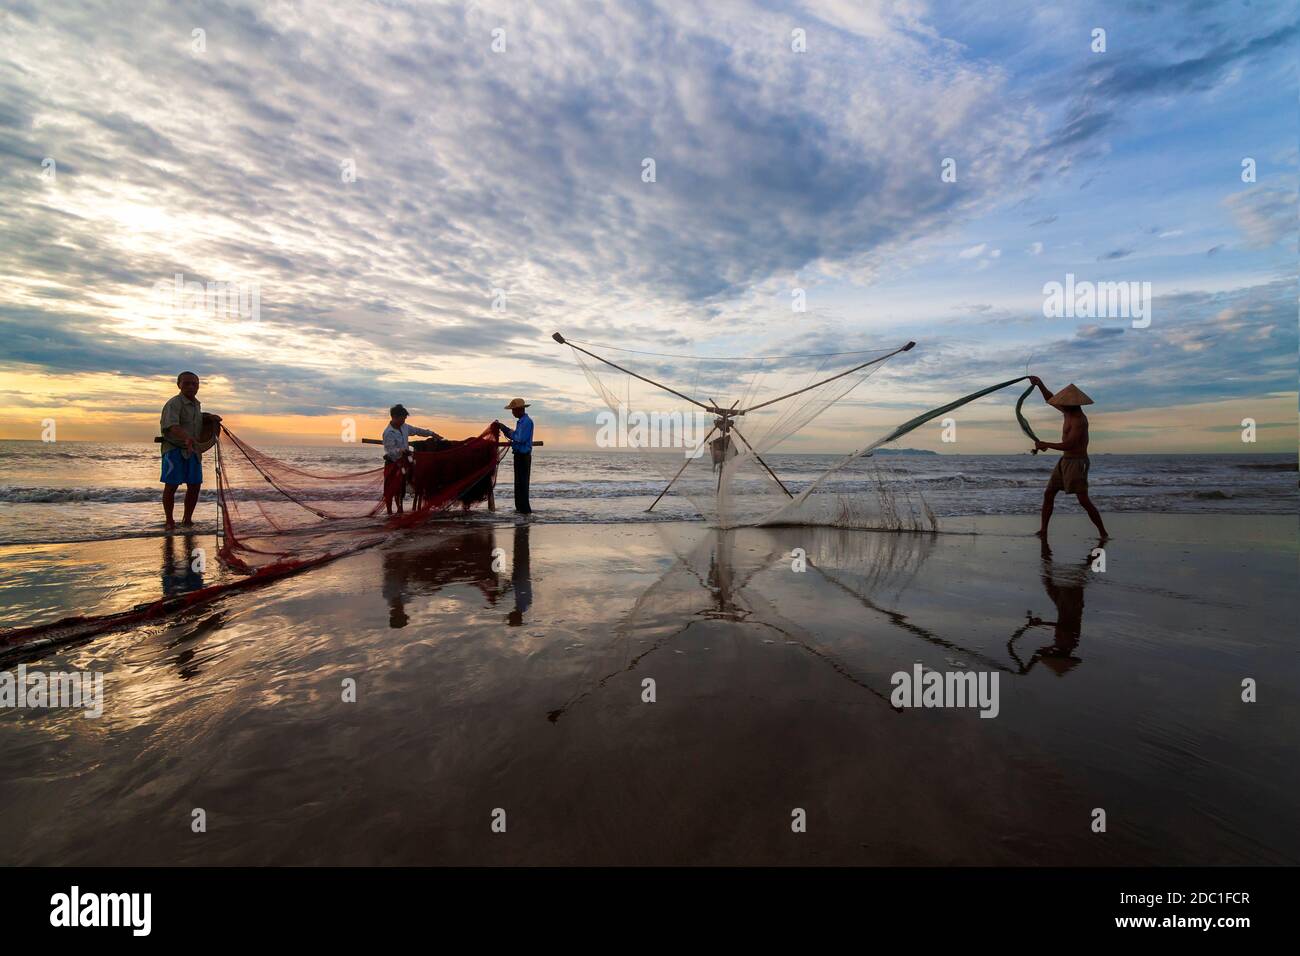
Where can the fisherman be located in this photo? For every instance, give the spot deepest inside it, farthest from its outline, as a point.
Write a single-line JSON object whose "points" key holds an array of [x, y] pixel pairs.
{"points": [[182, 427], [397, 455], [521, 444], [1071, 472]]}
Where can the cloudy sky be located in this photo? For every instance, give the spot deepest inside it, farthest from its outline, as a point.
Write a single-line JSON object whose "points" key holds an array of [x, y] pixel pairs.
{"points": [[418, 210]]}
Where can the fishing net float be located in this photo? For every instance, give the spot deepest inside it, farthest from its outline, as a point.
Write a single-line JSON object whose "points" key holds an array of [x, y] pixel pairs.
{"points": [[768, 400]]}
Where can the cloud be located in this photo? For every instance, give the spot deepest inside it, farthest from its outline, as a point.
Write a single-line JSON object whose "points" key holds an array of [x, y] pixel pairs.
{"points": [[1125, 77], [1105, 87], [475, 170], [522, 171], [1115, 254], [1200, 347], [1265, 214]]}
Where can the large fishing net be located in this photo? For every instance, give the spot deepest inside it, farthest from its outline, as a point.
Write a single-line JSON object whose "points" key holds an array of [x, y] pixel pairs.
{"points": [[276, 513], [712, 429], [708, 425]]}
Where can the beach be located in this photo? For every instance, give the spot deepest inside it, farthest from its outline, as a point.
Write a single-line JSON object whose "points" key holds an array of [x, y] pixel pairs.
{"points": [[500, 671]]}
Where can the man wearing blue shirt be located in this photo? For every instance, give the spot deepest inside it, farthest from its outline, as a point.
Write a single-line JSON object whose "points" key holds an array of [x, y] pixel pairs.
{"points": [[521, 443]]}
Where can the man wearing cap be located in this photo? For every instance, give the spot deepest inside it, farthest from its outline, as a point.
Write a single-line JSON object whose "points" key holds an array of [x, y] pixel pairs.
{"points": [[397, 455], [182, 447], [1071, 472], [521, 443]]}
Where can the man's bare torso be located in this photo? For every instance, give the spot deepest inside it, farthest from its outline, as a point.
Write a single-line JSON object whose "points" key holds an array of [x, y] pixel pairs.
{"points": [[1074, 435]]}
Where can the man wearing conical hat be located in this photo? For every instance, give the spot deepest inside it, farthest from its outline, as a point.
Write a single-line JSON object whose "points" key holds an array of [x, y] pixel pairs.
{"points": [[521, 447], [1071, 472]]}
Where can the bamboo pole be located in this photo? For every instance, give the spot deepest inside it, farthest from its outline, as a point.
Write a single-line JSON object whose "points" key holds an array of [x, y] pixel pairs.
{"points": [[500, 444], [679, 471], [560, 338], [761, 461]]}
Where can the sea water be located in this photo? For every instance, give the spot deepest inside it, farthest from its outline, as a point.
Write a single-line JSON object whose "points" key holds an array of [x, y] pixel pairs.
{"points": [[76, 491]]}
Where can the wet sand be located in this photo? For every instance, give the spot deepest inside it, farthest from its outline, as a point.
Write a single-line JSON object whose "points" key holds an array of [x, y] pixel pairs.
{"points": [[521, 688]]}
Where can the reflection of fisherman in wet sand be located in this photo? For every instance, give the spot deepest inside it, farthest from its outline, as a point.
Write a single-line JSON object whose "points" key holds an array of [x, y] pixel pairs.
{"points": [[521, 579], [1067, 594], [463, 558], [179, 575]]}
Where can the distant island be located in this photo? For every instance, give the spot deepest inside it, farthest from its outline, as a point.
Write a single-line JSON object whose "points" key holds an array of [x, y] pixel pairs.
{"points": [[904, 451]]}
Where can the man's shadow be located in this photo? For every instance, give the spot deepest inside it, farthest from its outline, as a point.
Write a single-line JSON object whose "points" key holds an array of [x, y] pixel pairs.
{"points": [[1064, 584]]}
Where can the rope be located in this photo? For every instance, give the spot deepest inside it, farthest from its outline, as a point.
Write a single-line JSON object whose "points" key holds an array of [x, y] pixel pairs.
{"points": [[919, 420]]}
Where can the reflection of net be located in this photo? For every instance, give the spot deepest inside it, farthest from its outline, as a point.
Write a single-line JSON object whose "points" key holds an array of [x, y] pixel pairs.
{"points": [[276, 514], [736, 585], [714, 422]]}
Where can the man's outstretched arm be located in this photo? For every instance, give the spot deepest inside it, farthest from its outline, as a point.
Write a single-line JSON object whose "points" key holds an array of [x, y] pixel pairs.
{"points": [[1047, 393], [425, 432]]}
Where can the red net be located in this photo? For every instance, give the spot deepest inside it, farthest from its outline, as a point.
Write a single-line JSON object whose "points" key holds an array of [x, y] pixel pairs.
{"points": [[279, 519], [275, 513]]}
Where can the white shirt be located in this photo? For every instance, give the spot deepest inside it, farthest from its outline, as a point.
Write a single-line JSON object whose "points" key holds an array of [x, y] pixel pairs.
{"points": [[395, 440]]}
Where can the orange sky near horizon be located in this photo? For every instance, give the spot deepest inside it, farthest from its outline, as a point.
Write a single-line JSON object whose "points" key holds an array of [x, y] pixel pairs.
{"points": [[82, 409]]}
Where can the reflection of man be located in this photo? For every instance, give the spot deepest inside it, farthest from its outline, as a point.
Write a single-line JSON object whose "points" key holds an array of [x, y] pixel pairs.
{"points": [[396, 567], [180, 580], [1068, 626], [426, 567], [521, 579]]}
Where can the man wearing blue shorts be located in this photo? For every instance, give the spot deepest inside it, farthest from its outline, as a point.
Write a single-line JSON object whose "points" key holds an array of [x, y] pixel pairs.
{"points": [[182, 424]]}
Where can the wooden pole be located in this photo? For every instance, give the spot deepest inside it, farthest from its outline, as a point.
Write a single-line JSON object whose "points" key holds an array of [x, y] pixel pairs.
{"points": [[380, 441], [759, 459], [782, 398], [679, 471], [560, 338], [772, 401]]}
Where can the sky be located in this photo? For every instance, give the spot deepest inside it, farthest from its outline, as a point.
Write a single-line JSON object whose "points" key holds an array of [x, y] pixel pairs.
{"points": [[419, 194]]}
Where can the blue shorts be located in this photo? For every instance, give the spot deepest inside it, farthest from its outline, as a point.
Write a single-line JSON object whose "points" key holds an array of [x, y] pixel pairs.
{"points": [[179, 470]]}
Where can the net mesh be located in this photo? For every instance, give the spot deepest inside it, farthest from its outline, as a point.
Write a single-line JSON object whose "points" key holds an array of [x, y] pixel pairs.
{"points": [[736, 413], [275, 513], [710, 425]]}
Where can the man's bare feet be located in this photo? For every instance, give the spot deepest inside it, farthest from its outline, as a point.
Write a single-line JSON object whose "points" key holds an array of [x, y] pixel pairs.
{"points": [[1041, 533], [169, 525]]}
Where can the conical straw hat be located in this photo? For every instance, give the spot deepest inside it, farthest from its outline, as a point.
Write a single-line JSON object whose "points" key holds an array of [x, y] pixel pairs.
{"points": [[1070, 395]]}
